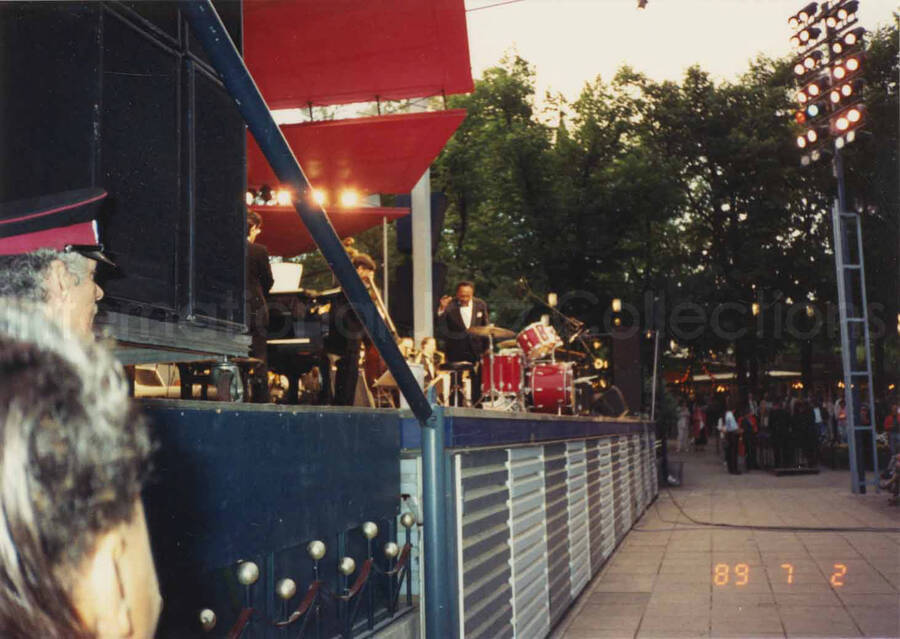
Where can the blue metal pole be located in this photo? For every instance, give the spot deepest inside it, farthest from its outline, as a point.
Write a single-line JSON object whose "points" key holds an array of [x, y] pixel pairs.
{"points": [[436, 543], [209, 30]]}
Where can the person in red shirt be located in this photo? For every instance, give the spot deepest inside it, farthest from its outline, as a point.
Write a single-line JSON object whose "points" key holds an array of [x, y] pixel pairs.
{"points": [[892, 428]]}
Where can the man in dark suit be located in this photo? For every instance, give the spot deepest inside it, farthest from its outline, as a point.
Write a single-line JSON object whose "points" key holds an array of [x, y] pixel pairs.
{"points": [[455, 316], [259, 281], [345, 338]]}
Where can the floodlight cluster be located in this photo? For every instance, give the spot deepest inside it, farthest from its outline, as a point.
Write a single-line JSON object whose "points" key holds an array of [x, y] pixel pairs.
{"points": [[827, 69]]}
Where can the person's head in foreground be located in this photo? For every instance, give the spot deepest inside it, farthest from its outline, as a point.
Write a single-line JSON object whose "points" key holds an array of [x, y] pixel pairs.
{"points": [[49, 249], [75, 556]]}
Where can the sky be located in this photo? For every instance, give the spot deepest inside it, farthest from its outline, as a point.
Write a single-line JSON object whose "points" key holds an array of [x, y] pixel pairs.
{"points": [[570, 42]]}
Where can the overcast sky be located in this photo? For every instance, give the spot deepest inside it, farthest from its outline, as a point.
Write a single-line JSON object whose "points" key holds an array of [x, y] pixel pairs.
{"points": [[571, 41]]}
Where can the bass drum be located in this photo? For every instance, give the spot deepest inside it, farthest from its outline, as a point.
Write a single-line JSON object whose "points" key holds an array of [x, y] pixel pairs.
{"points": [[552, 387]]}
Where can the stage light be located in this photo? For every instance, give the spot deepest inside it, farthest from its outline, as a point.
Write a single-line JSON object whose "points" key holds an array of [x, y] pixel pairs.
{"points": [[810, 34], [808, 12], [801, 141], [799, 69], [812, 60], [853, 37], [617, 305], [283, 197], [319, 197], [816, 109], [250, 197], [815, 155], [847, 11], [793, 22], [349, 198], [800, 117], [850, 118], [839, 143]]}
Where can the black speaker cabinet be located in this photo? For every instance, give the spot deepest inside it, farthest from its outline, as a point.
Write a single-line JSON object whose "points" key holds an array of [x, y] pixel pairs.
{"points": [[120, 95], [626, 356]]}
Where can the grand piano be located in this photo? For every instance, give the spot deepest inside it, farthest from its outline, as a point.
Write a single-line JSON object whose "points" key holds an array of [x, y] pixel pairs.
{"points": [[299, 323]]}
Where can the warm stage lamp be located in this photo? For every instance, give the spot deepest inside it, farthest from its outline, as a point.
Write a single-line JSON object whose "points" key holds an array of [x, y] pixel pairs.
{"points": [[283, 197], [319, 197], [616, 305], [812, 136], [852, 64], [839, 73], [799, 69], [842, 123], [349, 198], [854, 115], [801, 141]]}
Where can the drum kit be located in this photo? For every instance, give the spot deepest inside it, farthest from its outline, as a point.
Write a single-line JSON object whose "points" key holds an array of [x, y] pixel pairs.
{"points": [[525, 374]]}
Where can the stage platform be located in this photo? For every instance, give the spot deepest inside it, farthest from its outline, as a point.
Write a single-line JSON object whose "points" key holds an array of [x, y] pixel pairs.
{"points": [[536, 506]]}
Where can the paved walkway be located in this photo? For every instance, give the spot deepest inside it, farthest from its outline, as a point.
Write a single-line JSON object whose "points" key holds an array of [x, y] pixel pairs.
{"points": [[676, 579]]}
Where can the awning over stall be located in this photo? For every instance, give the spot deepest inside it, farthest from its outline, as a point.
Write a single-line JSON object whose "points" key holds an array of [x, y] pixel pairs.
{"points": [[319, 52], [284, 234]]}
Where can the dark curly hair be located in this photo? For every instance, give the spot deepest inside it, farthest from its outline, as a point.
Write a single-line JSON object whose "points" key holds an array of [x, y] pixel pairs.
{"points": [[73, 456]]}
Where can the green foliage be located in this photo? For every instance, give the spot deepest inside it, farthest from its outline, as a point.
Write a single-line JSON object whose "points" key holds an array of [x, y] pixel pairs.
{"points": [[692, 190]]}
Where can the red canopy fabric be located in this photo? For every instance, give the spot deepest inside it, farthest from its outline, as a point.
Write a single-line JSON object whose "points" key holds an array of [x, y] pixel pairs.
{"points": [[384, 154], [322, 52], [284, 233]]}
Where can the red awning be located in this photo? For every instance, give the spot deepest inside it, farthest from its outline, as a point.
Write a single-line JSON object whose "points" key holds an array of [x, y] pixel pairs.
{"points": [[385, 154], [284, 233], [340, 51]]}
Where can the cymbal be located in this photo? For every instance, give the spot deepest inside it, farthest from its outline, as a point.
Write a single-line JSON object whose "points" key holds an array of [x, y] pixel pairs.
{"points": [[490, 330], [508, 343]]}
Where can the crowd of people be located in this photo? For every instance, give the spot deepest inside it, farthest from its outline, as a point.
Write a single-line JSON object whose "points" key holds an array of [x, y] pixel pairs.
{"points": [[789, 427]]}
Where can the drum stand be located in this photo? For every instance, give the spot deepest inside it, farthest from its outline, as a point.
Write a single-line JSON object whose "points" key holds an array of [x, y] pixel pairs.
{"points": [[496, 398]]}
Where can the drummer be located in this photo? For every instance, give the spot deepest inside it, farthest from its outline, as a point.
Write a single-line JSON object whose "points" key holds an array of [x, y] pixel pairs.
{"points": [[455, 316]]}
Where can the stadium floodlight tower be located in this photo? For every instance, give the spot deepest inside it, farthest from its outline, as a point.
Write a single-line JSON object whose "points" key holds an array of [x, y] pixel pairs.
{"points": [[828, 70]]}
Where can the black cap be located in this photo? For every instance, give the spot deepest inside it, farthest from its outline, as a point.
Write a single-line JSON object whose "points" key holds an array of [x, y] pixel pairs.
{"points": [[66, 222]]}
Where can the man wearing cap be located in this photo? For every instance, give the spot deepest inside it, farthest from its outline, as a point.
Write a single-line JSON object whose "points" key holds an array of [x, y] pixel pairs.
{"points": [[49, 251]]}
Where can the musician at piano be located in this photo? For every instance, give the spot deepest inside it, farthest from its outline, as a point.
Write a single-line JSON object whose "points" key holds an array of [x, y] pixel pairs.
{"points": [[259, 281], [455, 316], [345, 337]]}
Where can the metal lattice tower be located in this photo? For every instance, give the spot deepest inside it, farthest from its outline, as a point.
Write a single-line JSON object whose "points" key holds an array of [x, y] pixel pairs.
{"points": [[854, 319]]}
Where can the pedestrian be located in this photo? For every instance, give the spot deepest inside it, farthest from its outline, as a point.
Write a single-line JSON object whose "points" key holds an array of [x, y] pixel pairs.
{"points": [[684, 417], [749, 430], [779, 426], [841, 420], [892, 428], [732, 438], [698, 425]]}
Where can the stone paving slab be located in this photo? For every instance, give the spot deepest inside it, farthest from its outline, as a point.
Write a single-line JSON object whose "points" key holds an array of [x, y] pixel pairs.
{"points": [[671, 577]]}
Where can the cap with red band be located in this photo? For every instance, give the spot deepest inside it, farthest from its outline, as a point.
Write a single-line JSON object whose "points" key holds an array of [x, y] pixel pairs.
{"points": [[63, 221]]}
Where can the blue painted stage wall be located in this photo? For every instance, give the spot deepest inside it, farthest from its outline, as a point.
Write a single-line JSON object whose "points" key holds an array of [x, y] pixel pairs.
{"points": [[244, 482]]}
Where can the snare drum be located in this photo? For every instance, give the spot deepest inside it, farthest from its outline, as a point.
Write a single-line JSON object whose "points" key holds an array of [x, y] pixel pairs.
{"points": [[552, 387], [536, 340], [507, 376]]}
